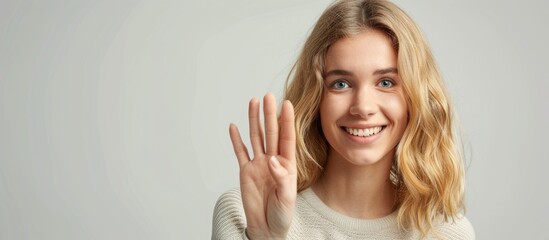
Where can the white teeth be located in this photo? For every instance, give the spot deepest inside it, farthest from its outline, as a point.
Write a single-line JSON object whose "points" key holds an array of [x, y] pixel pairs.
{"points": [[363, 132]]}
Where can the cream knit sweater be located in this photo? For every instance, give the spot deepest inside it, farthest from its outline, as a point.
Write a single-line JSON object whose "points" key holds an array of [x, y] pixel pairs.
{"points": [[314, 220]]}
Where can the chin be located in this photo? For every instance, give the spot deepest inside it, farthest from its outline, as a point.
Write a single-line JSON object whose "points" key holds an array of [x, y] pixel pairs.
{"points": [[367, 158]]}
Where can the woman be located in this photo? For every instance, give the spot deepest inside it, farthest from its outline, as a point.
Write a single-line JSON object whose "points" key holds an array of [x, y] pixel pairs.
{"points": [[368, 152]]}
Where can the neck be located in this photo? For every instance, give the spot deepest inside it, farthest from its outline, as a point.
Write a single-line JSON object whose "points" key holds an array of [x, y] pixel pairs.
{"points": [[357, 191]]}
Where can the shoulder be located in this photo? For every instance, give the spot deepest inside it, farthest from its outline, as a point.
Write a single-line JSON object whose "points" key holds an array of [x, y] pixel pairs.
{"points": [[230, 198], [459, 228], [229, 220]]}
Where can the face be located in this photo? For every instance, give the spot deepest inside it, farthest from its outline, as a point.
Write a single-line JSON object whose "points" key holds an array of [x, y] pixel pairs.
{"points": [[363, 111]]}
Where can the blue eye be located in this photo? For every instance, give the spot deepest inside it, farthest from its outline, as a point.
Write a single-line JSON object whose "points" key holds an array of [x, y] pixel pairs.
{"points": [[340, 85], [386, 83]]}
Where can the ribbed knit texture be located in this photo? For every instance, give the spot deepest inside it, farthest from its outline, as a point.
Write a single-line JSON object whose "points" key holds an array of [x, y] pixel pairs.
{"points": [[314, 220]]}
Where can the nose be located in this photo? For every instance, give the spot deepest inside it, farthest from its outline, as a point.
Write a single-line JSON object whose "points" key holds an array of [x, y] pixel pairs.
{"points": [[365, 103]]}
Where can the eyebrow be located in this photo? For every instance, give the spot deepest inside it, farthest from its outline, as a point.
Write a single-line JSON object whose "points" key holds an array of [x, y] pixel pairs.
{"points": [[340, 72], [386, 70]]}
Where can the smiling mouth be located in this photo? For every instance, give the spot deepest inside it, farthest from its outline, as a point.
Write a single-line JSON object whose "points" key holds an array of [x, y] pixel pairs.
{"points": [[366, 132]]}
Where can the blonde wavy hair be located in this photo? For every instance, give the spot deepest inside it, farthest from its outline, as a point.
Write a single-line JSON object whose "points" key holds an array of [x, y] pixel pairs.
{"points": [[427, 169]]}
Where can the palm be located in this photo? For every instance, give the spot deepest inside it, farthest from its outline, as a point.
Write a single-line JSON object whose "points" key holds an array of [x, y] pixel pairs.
{"points": [[268, 185]]}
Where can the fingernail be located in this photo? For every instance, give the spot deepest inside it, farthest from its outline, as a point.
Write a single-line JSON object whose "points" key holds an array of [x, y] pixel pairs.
{"points": [[275, 161]]}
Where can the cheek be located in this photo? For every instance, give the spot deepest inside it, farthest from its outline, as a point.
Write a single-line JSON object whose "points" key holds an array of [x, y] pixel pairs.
{"points": [[398, 109], [331, 109], [325, 116]]}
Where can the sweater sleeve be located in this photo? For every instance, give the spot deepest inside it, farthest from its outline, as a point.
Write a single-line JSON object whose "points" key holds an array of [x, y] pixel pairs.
{"points": [[229, 220]]}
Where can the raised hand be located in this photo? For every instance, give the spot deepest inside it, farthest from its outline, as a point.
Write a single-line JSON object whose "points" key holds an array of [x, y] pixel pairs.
{"points": [[268, 182]]}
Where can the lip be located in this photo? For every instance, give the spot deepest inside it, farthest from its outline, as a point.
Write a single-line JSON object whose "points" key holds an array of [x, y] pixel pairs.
{"points": [[363, 140], [363, 126]]}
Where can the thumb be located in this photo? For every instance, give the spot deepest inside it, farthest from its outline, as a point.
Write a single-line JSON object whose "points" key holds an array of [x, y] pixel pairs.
{"points": [[277, 170], [285, 189]]}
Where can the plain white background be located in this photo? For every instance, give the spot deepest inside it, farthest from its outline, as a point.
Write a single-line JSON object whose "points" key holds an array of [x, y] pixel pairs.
{"points": [[114, 114]]}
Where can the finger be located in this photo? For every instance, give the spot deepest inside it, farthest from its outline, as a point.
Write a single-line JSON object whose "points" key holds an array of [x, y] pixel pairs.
{"points": [[287, 131], [256, 133], [239, 148], [271, 124]]}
